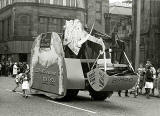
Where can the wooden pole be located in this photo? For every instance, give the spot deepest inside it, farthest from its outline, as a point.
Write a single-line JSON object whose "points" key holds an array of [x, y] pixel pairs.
{"points": [[138, 22]]}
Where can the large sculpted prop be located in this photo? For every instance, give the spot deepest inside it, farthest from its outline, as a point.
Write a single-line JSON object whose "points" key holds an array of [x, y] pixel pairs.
{"points": [[48, 56], [75, 36]]}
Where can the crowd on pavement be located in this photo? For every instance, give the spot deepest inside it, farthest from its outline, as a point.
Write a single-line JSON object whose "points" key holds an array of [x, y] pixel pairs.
{"points": [[148, 78], [22, 77], [20, 72], [8, 68]]}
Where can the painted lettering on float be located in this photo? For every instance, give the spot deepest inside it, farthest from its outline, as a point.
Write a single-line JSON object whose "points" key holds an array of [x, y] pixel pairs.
{"points": [[49, 80], [44, 71], [117, 80], [47, 77]]}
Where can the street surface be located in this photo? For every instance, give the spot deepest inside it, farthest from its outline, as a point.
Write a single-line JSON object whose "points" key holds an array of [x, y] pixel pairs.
{"points": [[13, 104]]}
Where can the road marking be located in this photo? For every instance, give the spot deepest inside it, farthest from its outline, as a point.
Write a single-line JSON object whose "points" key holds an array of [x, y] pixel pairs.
{"points": [[16, 92], [58, 103], [72, 106]]}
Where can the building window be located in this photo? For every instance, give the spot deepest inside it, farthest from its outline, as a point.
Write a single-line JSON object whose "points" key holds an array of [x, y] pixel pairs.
{"points": [[9, 1], [99, 11], [61, 2], [45, 1], [73, 3], [0, 4], [8, 27], [68, 2], [0, 30], [23, 25], [24, 19], [4, 3], [50, 24], [41, 1], [3, 29], [55, 2], [80, 3]]}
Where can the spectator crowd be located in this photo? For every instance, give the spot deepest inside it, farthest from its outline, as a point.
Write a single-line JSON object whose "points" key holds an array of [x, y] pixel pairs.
{"points": [[10, 69], [149, 79]]}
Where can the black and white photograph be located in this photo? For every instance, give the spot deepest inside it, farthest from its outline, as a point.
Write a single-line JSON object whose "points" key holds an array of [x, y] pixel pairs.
{"points": [[79, 57]]}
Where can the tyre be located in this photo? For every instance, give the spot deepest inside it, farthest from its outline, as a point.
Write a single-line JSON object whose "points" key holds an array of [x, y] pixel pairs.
{"points": [[99, 95], [70, 94]]}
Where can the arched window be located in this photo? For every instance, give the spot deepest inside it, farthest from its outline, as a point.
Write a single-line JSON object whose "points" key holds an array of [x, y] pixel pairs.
{"points": [[24, 25], [24, 19]]}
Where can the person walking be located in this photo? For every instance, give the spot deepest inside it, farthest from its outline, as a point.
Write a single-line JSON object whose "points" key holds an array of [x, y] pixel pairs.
{"points": [[10, 69], [15, 69], [18, 81], [154, 78], [3, 68], [158, 81], [141, 73], [148, 81], [25, 85]]}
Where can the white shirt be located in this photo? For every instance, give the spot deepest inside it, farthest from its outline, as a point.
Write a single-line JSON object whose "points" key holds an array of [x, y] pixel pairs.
{"points": [[154, 72], [15, 71]]}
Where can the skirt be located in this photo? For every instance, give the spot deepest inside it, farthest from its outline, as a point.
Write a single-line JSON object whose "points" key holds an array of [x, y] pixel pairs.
{"points": [[149, 85], [25, 85]]}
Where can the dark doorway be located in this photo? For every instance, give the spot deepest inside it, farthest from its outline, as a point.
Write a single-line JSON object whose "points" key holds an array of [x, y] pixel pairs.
{"points": [[22, 57]]}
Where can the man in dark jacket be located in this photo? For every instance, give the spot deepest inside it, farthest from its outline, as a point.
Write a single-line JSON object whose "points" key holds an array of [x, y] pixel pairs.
{"points": [[149, 81]]}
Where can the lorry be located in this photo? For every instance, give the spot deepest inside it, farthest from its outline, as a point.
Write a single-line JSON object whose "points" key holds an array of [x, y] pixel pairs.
{"points": [[78, 60]]}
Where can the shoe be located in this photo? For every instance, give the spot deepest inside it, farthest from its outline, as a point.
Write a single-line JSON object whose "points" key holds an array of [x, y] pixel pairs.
{"points": [[148, 97], [26, 96], [13, 90], [126, 96]]}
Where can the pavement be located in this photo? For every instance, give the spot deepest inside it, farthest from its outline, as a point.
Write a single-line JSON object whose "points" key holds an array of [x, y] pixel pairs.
{"points": [[13, 104]]}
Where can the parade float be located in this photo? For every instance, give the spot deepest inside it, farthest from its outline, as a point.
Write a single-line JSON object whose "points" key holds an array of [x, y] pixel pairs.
{"points": [[61, 66]]}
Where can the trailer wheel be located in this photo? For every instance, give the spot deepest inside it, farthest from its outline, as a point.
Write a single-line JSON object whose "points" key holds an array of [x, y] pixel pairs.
{"points": [[99, 95], [70, 94]]}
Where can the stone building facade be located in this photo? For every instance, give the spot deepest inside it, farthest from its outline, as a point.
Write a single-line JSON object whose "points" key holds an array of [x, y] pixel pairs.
{"points": [[119, 21], [21, 20], [150, 31], [96, 10]]}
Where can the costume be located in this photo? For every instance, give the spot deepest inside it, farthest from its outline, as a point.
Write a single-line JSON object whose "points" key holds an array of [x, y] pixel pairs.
{"points": [[25, 84], [15, 71], [149, 79], [141, 80], [149, 85]]}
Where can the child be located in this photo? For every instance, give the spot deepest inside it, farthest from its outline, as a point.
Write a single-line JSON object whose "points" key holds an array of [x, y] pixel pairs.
{"points": [[149, 81], [158, 82], [25, 85], [18, 81], [141, 73]]}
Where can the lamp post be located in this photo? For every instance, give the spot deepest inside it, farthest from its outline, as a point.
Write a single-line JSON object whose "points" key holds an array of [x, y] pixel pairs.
{"points": [[138, 22]]}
